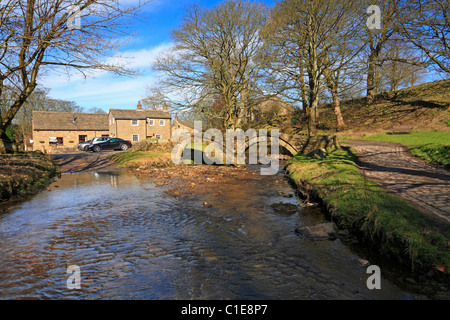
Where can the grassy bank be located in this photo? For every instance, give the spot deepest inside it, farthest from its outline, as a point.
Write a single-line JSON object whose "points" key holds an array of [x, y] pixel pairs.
{"points": [[24, 174], [390, 224], [436, 154], [431, 146], [424, 107], [145, 155], [415, 138]]}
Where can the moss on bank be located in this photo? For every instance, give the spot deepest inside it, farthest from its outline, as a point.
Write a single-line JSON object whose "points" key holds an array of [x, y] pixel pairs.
{"points": [[24, 174], [393, 226]]}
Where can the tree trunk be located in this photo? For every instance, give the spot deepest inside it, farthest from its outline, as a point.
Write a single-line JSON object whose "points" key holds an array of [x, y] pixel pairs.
{"points": [[371, 75], [304, 102], [312, 117], [312, 67], [340, 124], [303, 84], [5, 143], [313, 97]]}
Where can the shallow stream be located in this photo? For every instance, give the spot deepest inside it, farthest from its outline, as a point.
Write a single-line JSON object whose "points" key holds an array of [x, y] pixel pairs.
{"points": [[131, 240]]}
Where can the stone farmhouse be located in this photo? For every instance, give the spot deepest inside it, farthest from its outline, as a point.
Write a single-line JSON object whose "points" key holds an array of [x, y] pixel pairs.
{"points": [[269, 107], [55, 132], [137, 125]]}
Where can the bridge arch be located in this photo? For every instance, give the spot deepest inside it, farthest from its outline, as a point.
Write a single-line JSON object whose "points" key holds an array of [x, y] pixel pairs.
{"points": [[281, 142]]}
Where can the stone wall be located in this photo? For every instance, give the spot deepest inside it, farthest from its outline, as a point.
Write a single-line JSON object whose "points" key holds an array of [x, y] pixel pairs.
{"points": [[70, 140]]}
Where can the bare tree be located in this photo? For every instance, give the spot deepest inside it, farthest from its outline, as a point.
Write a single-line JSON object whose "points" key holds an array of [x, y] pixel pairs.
{"points": [[95, 110], [377, 38], [155, 101], [312, 41], [37, 101], [401, 65], [218, 52], [426, 23], [287, 53], [40, 35]]}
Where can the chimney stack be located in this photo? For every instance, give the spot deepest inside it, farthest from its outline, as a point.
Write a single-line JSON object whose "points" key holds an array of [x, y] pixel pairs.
{"points": [[139, 106], [165, 107]]}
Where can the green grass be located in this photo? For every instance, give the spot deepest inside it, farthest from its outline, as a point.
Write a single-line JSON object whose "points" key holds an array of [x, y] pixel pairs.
{"points": [[145, 154], [136, 157], [413, 139], [357, 204], [437, 154]]}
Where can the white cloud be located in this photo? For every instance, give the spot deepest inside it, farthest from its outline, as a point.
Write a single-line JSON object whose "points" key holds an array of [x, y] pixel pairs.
{"points": [[105, 90], [143, 58]]}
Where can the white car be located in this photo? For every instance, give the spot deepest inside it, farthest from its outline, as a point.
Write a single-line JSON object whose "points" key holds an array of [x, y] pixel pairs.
{"points": [[85, 145]]}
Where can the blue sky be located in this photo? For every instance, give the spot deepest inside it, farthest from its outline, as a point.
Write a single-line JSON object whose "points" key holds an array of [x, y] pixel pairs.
{"points": [[152, 38]]}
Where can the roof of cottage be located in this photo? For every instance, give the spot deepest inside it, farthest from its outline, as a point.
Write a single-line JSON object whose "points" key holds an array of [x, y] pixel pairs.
{"points": [[127, 114], [70, 121]]}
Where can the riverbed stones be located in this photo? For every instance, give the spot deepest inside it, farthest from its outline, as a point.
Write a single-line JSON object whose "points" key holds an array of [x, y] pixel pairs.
{"points": [[285, 208], [321, 231], [363, 262]]}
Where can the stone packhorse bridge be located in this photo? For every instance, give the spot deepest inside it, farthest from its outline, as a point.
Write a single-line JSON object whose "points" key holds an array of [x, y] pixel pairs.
{"points": [[296, 144]]}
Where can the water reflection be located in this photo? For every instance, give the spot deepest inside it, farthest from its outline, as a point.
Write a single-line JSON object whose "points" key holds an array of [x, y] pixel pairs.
{"points": [[133, 241], [74, 180]]}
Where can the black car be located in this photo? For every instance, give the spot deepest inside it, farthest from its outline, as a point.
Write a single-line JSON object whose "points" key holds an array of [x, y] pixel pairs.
{"points": [[111, 144]]}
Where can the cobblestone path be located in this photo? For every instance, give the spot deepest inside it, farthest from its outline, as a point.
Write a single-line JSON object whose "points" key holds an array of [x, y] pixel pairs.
{"points": [[393, 167]]}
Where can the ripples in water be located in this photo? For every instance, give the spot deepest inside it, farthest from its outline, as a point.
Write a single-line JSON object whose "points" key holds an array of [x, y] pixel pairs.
{"points": [[133, 241]]}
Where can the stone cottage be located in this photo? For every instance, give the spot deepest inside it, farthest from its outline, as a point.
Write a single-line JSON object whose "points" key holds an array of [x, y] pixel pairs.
{"points": [[63, 131], [138, 125]]}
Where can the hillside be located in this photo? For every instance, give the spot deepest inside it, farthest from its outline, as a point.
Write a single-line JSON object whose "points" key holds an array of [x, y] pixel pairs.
{"points": [[425, 107]]}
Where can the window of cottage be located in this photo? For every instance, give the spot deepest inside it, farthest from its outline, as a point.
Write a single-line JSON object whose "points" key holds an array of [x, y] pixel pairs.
{"points": [[58, 140]]}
